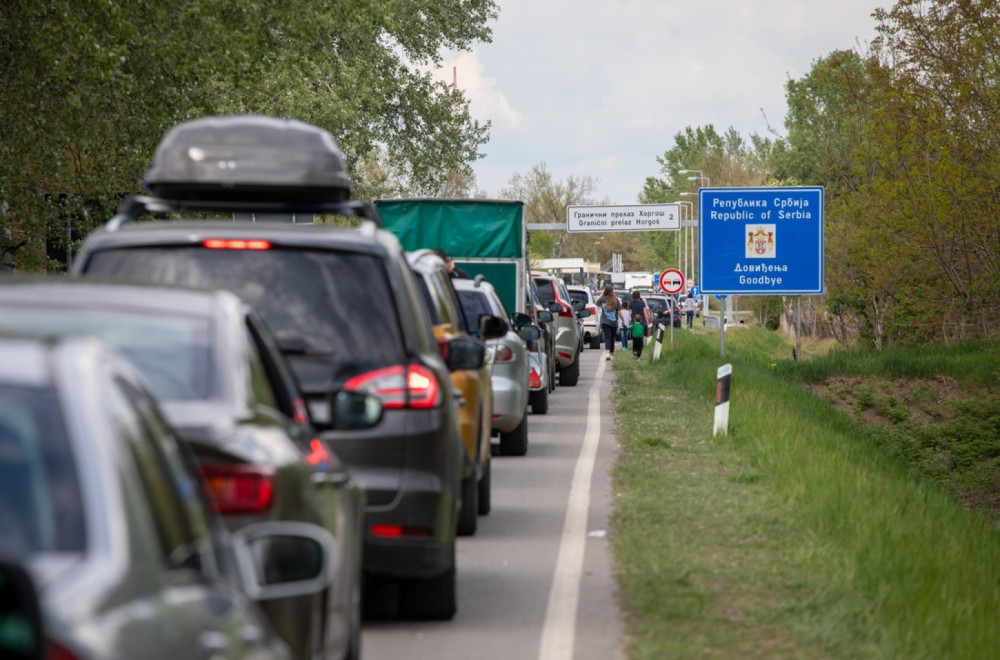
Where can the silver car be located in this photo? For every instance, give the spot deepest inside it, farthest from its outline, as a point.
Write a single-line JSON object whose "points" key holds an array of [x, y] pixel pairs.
{"points": [[509, 366], [99, 502], [569, 327]]}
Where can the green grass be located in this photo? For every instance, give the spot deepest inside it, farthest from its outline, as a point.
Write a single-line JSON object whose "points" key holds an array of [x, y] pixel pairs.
{"points": [[803, 532]]}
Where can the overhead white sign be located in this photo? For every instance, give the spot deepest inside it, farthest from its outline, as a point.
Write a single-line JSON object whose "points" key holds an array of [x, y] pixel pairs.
{"points": [[637, 217]]}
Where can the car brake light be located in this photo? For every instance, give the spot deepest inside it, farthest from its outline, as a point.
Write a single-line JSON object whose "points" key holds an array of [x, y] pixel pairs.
{"points": [[534, 380], [55, 651], [235, 244], [503, 354], [398, 531], [399, 386], [238, 488]]}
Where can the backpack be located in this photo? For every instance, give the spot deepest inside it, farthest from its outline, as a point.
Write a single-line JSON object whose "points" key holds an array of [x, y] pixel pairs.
{"points": [[610, 316], [638, 330]]}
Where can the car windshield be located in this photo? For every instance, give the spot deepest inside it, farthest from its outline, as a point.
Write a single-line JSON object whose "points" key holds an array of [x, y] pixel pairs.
{"points": [[172, 352], [335, 306], [40, 501]]}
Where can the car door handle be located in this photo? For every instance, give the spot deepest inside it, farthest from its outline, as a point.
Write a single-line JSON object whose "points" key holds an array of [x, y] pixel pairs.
{"points": [[334, 479]]}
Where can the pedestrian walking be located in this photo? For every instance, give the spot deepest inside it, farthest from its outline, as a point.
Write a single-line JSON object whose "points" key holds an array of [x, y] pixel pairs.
{"points": [[626, 328], [689, 306], [641, 317], [611, 318]]}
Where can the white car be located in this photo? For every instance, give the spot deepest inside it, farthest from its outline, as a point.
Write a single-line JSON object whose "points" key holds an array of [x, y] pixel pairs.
{"points": [[592, 335]]}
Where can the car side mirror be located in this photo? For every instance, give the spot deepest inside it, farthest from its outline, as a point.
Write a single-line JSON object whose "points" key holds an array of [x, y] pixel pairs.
{"points": [[520, 319], [578, 305], [529, 332], [555, 307], [21, 614], [583, 313], [356, 410], [492, 327], [465, 353], [543, 316], [282, 559]]}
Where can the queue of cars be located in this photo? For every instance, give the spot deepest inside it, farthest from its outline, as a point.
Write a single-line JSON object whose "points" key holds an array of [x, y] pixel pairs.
{"points": [[289, 422]]}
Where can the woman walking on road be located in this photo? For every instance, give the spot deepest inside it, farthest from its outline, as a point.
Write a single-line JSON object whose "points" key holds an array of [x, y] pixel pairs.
{"points": [[611, 317]]}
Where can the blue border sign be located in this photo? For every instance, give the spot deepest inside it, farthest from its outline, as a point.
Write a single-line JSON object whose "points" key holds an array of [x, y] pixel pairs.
{"points": [[761, 240]]}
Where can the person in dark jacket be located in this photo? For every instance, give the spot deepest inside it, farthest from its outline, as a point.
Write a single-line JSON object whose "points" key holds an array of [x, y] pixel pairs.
{"points": [[453, 270]]}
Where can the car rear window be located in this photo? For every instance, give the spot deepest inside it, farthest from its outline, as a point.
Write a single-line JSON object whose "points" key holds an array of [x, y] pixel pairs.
{"points": [[579, 296], [545, 291], [474, 305], [337, 306], [40, 499], [172, 352]]}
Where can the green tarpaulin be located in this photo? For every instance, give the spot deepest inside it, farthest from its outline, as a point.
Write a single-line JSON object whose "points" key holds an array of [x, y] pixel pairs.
{"points": [[463, 228]]}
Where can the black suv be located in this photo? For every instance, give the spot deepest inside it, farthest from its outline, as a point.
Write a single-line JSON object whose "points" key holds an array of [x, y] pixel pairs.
{"points": [[346, 311]]}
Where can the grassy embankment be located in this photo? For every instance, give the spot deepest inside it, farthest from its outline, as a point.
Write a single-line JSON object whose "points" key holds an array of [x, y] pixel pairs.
{"points": [[846, 514]]}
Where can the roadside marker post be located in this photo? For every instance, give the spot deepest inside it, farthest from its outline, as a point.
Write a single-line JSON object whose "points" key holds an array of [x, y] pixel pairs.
{"points": [[722, 380], [659, 343]]}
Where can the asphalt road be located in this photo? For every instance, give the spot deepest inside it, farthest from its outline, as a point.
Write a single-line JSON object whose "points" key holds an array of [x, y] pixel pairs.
{"points": [[536, 580]]}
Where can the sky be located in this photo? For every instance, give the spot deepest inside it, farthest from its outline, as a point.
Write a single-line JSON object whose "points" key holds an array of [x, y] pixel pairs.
{"points": [[600, 88]]}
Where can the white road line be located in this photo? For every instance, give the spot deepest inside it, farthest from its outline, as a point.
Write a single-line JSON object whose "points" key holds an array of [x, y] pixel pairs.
{"points": [[559, 631]]}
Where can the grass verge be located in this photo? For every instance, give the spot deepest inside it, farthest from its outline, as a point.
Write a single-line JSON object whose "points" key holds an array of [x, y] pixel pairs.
{"points": [[797, 534]]}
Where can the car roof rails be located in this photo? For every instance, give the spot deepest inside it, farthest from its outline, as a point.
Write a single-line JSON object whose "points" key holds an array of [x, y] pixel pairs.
{"points": [[135, 206]]}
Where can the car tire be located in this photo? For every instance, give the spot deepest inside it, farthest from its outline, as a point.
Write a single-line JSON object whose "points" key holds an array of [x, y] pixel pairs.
{"points": [[468, 515], [429, 599], [484, 490], [595, 341], [571, 375], [515, 443], [539, 400]]}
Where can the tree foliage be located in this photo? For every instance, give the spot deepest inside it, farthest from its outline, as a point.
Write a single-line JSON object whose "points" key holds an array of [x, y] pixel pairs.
{"points": [[903, 138], [90, 87]]}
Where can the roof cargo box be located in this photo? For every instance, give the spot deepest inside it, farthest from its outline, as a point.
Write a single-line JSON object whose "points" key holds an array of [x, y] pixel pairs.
{"points": [[249, 158]]}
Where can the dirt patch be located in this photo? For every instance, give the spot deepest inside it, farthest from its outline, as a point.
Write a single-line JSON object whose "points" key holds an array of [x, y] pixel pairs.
{"points": [[890, 402]]}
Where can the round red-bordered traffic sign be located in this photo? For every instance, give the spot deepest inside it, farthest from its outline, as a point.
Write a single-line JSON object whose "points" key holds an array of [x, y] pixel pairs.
{"points": [[672, 281]]}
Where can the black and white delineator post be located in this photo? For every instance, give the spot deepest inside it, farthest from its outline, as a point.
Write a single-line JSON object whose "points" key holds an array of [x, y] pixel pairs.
{"points": [[722, 378], [659, 342]]}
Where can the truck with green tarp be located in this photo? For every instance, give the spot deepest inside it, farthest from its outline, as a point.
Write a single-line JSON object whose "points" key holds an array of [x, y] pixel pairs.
{"points": [[482, 236]]}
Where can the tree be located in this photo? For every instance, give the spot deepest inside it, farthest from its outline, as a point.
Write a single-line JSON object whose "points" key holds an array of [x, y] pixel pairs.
{"points": [[90, 88]]}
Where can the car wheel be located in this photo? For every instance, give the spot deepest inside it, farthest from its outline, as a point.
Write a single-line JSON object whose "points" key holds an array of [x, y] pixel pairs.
{"points": [[431, 599], [468, 515], [539, 400], [595, 341], [484, 489], [515, 443], [571, 374]]}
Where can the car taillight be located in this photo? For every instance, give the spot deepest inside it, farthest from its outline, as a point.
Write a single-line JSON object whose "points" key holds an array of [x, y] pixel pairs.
{"points": [[399, 386], [398, 531], [503, 354], [593, 311], [235, 244], [238, 488], [443, 348], [534, 380], [54, 651], [567, 309]]}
